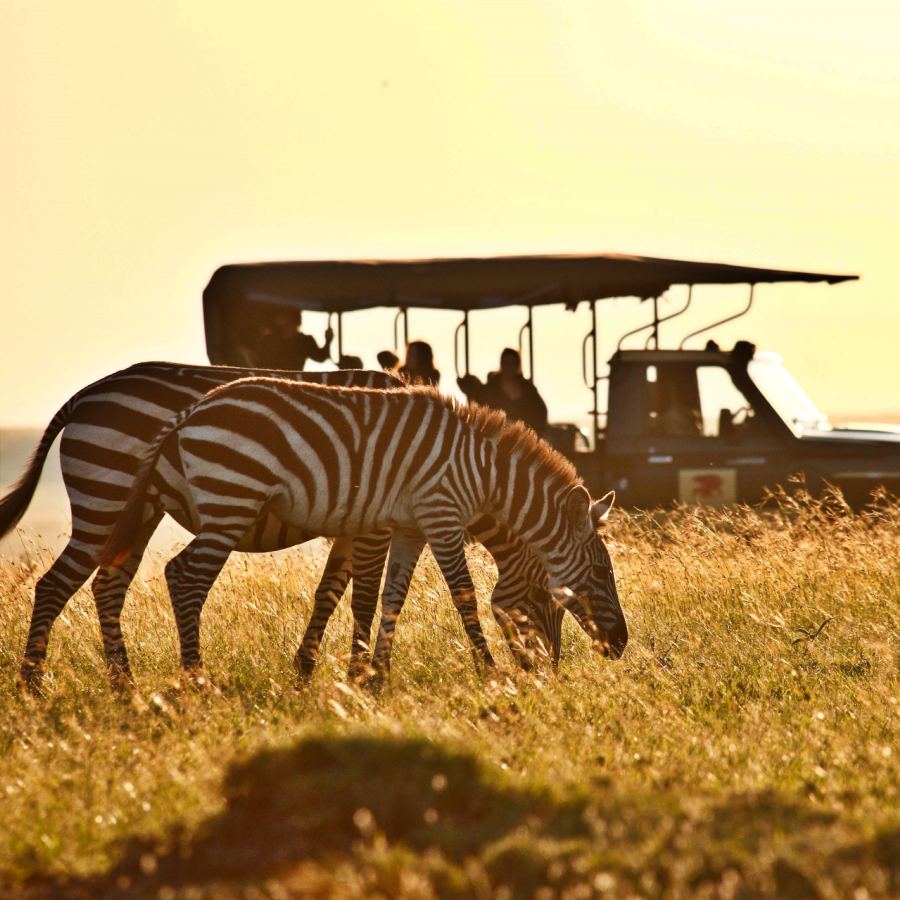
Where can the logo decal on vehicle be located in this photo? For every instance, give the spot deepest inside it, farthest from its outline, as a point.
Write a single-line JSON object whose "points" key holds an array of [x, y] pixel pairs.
{"points": [[710, 487]]}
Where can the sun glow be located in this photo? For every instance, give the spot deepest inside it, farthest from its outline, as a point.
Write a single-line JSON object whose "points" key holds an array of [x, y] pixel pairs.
{"points": [[147, 145]]}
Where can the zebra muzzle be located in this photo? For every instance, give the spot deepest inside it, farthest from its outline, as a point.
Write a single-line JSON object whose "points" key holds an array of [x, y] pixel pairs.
{"points": [[611, 643]]}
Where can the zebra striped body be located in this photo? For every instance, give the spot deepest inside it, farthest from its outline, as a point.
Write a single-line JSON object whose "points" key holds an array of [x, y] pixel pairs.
{"points": [[343, 462], [107, 427]]}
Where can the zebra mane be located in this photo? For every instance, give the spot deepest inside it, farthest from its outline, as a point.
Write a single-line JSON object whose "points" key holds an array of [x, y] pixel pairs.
{"points": [[513, 437]]}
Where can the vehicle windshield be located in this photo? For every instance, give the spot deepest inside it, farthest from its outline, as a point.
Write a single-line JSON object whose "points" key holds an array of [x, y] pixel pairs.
{"points": [[785, 394]]}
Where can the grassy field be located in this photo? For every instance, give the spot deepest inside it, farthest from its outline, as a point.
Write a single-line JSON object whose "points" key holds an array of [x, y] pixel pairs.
{"points": [[746, 744]]}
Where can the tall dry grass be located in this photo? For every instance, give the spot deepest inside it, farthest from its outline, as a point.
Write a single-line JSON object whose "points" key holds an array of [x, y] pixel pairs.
{"points": [[746, 744]]}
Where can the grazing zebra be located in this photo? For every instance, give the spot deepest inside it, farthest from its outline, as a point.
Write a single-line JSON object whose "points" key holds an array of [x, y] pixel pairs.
{"points": [[541, 617], [107, 427], [344, 462], [521, 601]]}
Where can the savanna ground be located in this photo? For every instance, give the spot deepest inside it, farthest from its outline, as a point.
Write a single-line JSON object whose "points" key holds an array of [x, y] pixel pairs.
{"points": [[742, 747]]}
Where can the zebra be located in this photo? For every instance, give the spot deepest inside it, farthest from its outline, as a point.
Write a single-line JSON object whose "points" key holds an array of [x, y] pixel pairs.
{"points": [[342, 462], [529, 618], [106, 428]]}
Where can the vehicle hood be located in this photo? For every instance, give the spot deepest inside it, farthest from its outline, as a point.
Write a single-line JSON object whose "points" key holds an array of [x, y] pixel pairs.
{"points": [[877, 435]]}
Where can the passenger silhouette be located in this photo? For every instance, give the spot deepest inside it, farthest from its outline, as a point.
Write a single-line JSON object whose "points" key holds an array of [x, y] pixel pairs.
{"points": [[388, 360], [508, 389], [679, 415], [419, 366], [283, 345]]}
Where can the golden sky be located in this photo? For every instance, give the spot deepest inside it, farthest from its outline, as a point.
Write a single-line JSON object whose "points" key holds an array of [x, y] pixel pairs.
{"points": [[146, 143]]}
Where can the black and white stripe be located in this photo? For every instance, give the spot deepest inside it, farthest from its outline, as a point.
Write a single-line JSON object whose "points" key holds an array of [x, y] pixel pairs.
{"points": [[343, 462], [106, 429], [531, 624]]}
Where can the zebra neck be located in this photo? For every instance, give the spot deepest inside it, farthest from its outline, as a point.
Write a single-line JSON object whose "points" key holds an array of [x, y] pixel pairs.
{"points": [[525, 493]]}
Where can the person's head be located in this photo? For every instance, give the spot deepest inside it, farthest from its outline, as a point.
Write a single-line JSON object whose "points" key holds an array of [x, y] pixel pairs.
{"points": [[419, 356], [388, 360], [510, 362], [285, 322]]}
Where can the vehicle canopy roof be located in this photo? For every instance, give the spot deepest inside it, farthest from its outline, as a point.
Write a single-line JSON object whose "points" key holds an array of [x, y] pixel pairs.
{"points": [[467, 284]]}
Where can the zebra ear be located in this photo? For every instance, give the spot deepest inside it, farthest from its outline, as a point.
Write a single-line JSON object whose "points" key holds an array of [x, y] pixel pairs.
{"points": [[578, 505], [600, 508]]}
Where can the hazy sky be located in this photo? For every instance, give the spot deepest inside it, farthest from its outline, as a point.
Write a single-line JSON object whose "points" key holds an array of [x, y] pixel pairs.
{"points": [[146, 143]]}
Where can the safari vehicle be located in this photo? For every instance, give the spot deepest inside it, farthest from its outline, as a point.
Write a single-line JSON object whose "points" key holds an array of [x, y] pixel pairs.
{"points": [[698, 426]]}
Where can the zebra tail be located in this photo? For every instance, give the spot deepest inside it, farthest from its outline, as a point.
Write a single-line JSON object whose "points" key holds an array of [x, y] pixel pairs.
{"points": [[122, 538], [14, 504]]}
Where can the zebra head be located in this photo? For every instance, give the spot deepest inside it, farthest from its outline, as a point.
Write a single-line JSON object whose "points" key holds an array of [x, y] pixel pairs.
{"points": [[588, 587]]}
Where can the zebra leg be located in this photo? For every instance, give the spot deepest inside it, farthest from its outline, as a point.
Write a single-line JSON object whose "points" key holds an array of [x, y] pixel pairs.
{"points": [[528, 628], [405, 553], [109, 587], [189, 576], [547, 615], [532, 627], [530, 619], [331, 588], [68, 573], [369, 554], [512, 625], [448, 546], [505, 604]]}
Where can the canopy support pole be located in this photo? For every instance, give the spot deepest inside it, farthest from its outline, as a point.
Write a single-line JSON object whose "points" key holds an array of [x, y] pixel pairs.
{"points": [[466, 320], [591, 338], [401, 316], [656, 323], [528, 327], [596, 410], [737, 315], [673, 315], [653, 326], [464, 327], [340, 338]]}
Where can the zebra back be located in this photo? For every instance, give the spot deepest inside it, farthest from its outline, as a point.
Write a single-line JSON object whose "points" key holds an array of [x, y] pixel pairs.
{"points": [[121, 540], [165, 386]]}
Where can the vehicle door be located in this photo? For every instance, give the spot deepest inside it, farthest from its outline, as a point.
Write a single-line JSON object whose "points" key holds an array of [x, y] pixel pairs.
{"points": [[702, 442]]}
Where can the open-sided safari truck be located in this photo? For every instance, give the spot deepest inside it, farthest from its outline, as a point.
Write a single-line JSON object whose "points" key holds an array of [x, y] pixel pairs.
{"points": [[708, 426]]}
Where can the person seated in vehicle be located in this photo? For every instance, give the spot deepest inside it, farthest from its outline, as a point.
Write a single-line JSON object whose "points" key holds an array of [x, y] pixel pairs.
{"points": [[508, 389], [283, 345], [350, 361], [419, 365], [388, 360], [679, 415], [245, 331]]}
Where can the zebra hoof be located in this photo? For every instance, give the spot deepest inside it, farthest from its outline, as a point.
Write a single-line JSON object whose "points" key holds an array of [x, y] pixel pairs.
{"points": [[305, 666], [484, 663], [119, 675], [525, 662], [121, 683], [31, 678], [360, 670], [375, 679], [195, 679]]}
